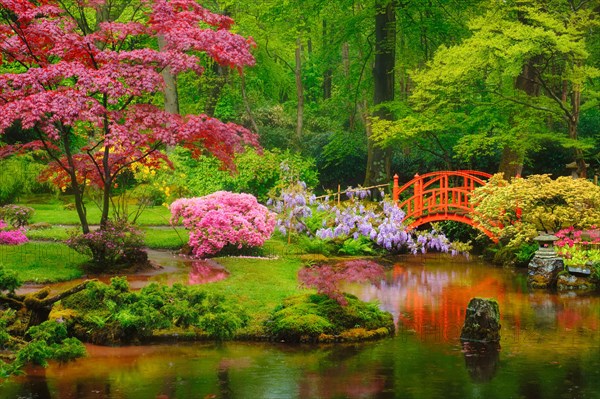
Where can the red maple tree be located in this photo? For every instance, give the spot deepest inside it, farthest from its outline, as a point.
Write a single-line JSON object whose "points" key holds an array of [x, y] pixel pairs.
{"points": [[84, 78]]}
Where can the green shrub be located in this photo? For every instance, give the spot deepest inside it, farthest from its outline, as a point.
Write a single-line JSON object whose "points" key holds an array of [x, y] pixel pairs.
{"points": [[360, 246], [49, 341], [18, 176], [114, 314]]}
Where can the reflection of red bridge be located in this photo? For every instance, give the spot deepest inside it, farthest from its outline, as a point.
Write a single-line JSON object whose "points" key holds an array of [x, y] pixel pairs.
{"points": [[438, 196]]}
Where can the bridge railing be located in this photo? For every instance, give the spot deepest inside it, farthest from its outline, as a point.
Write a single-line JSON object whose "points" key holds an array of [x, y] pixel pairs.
{"points": [[436, 196]]}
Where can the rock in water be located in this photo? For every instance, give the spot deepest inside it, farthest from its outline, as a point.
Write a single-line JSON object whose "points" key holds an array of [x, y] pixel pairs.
{"points": [[543, 272], [482, 321]]}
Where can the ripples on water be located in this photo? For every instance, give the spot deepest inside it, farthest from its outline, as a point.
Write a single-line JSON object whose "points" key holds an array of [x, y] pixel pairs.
{"points": [[550, 348]]}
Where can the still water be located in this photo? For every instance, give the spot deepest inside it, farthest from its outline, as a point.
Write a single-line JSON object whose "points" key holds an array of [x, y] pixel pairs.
{"points": [[550, 348]]}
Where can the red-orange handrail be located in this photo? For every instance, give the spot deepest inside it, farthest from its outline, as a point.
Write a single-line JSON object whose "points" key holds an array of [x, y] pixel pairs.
{"points": [[435, 199]]}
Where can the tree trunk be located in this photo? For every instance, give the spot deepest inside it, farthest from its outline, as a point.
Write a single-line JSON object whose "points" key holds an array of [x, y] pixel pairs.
{"points": [[299, 93], [215, 92], [247, 103], [328, 73], [171, 96], [511, 162], [378, 159], [573, 122]]}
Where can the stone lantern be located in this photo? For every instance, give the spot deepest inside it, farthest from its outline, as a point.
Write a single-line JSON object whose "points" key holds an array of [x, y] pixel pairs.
{"points": [[546, 243], [545, 266], [572, 167]]}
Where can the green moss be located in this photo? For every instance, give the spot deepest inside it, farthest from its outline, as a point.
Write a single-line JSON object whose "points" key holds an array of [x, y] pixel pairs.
{"points": [[313, 317]]}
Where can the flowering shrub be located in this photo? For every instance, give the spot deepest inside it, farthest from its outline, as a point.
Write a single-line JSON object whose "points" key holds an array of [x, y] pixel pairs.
{"points": [[221, 219], [515, 211], [11, 236], [578, 247], [380, 222], [117, 243], [16, 215], [326, 279]]}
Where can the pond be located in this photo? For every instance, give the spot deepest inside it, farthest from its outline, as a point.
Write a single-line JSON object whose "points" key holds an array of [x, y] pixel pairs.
{"points": [[550, 348]]}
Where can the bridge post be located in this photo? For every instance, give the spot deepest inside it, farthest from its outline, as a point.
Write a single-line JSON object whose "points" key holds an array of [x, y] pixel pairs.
{"points": [[396, 189], [418, 193]]}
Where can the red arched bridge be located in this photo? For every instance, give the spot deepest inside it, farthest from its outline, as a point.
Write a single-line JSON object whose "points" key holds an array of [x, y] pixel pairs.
{"points": [[438, 196]]}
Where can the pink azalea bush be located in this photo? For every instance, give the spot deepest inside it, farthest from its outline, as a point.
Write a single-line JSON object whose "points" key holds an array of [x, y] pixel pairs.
{"points": [[579, 247], [326, 279], [10, 236], [223, 218]]}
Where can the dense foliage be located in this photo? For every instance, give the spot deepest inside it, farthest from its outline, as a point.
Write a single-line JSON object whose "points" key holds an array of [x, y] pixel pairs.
{"points": [[518, 209], [580, 248], [222, 219]]}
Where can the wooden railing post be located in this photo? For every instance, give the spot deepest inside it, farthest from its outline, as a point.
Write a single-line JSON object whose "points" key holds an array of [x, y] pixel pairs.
{"points": [[396, 189], [418, 192]]}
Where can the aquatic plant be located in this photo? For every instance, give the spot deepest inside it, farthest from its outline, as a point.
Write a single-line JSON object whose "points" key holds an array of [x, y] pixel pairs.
{"points": [[222, 219]]}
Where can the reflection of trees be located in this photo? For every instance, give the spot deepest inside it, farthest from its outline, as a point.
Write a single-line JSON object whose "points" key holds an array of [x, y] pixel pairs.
{"points": [[430, 301], [348, 379], [206, 271]]}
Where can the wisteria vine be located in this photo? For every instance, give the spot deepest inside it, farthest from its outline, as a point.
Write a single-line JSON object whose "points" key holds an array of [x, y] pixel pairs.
{"points": [[379, 222]]}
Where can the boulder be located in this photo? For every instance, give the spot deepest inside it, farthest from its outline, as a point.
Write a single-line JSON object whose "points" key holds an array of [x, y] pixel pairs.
{"points": [[568, 282], [543, 272], [482, 321]]}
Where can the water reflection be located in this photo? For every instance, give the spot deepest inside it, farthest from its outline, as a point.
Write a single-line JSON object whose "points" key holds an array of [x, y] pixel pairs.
{"points": [[429, 300], [206, 271], [550, 349], [481, 360]]}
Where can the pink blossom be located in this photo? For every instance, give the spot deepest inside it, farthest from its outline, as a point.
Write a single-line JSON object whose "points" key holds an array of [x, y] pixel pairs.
{"points": [[221, 219]]}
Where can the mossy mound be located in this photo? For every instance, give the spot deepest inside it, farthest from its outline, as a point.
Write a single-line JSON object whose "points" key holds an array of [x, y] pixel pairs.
{"points": [[113, 314], [318, 318]]}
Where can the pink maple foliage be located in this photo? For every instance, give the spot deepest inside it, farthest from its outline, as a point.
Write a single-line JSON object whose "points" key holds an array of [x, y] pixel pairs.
{"points": [[326, 279], [223, 218], [86, 86]]}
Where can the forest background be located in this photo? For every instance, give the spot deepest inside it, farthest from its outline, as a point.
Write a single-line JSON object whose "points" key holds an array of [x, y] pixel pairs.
{"points": [[351, 92]]}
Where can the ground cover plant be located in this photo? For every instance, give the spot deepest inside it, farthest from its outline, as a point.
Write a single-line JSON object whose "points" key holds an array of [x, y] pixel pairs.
{"points": [[26, 334], [112, 313]]}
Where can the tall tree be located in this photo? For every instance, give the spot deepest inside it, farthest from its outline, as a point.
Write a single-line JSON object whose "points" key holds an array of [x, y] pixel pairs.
{"points": [[379, 159], [84, 86], [528, 58]]}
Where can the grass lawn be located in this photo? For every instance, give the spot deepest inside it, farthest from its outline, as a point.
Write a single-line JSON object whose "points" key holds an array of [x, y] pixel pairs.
{"points": [[52, 210], [42, 262], [172, 238], [163, 238]]}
